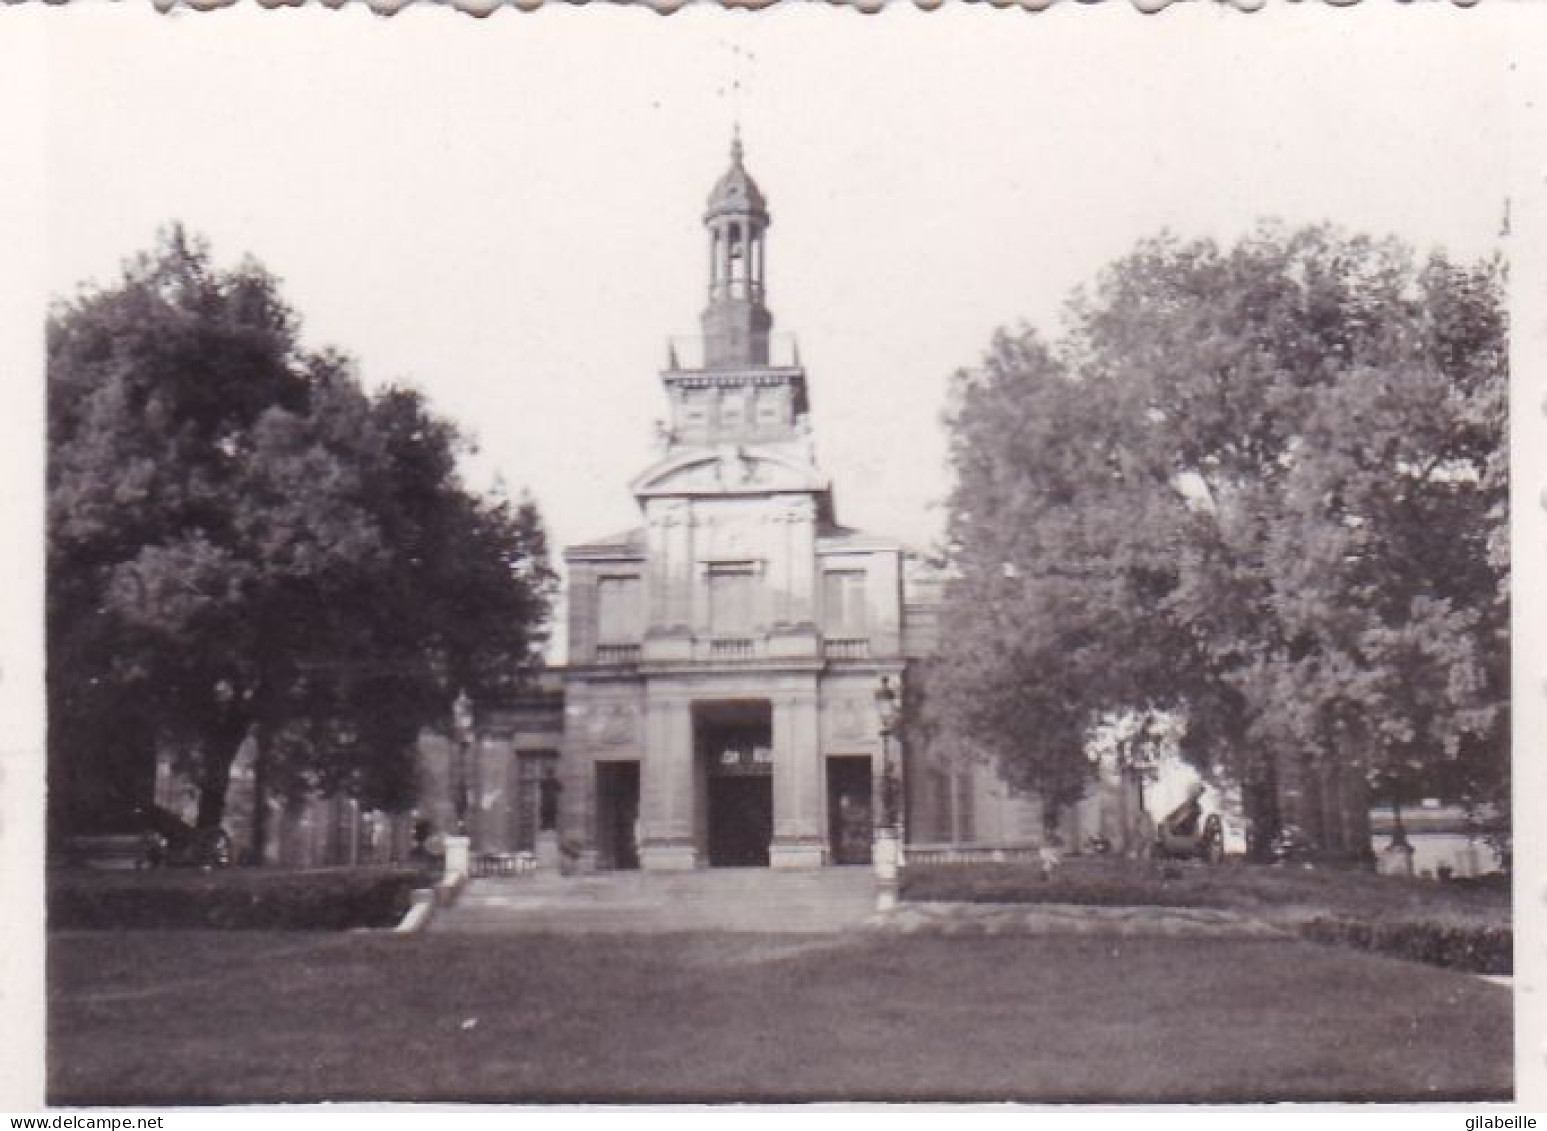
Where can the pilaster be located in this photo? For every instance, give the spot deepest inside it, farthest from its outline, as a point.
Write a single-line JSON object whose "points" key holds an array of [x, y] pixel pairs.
{"points": [[667, 787], [797, 841]]}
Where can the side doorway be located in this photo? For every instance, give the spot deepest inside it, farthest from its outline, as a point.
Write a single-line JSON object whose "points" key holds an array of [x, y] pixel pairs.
{"points": [[850, 819], [617, 815]]}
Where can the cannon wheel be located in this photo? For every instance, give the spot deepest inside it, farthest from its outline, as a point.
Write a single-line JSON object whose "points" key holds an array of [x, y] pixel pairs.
{"points": [[1212, 846]]}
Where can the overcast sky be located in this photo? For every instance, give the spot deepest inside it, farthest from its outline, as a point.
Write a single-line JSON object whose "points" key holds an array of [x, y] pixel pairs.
{"points": [[507, 212]]}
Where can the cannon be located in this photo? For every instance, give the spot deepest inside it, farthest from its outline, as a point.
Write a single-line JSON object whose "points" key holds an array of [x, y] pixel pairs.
{"points": [[1186, 834], [170, 842]]}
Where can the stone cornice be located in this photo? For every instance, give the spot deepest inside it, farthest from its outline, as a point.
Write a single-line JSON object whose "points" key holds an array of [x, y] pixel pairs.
{"points": [[759, 375]]}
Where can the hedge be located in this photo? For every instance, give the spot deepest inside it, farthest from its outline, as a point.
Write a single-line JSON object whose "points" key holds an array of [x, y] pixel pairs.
{"points": [[977, 884], [1455, 946], [331, 900]]}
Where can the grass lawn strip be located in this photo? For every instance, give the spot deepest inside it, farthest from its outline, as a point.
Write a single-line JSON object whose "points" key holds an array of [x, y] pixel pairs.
{"points": [[249, 1016], [1075, 919], [1457, 926]]}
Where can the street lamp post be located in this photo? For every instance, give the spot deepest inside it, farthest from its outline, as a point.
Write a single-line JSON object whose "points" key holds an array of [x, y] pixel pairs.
{"points": [[462, 727], [888, 846]]}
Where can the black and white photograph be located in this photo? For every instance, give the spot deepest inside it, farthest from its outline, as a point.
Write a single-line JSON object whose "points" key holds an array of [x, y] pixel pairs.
{"points": [[600, 556]]}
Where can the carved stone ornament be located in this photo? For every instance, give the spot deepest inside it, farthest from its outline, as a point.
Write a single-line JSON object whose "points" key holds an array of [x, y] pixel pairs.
{"points": [[611, 724], [848, 717]]}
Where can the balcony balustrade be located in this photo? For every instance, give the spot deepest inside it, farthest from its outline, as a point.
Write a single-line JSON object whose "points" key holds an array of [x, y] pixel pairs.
{"points": [[846, 648], [732, 648], [617, 653]]}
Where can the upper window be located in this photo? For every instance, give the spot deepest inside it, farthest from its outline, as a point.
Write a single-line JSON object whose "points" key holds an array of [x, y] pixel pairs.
{"points": [[730, 598], [844, 608], [619, 610]]}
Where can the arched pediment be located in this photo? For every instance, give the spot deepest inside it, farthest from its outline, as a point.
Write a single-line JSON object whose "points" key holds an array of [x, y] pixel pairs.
{"points": [[731, 470]]}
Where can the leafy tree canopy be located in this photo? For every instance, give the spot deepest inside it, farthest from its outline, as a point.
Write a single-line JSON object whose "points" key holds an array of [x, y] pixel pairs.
{"points": [[1263, 487], [242, 541]]}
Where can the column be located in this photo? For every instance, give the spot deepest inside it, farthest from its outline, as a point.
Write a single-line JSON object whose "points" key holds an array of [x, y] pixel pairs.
{"points": [[725, 259], [670, 560], [794, 632], [657, 612], [798, 841], [679, 568], [738, 264], [803, 561], [666, 787], [577, 797]]}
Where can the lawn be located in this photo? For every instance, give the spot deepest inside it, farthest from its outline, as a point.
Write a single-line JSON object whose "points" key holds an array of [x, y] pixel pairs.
{"points": [[209, 1017], [1113, 881]]}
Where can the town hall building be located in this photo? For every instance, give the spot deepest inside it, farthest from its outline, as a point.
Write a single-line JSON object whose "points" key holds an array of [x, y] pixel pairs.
{"points": [[725, 654], [719, 702]]}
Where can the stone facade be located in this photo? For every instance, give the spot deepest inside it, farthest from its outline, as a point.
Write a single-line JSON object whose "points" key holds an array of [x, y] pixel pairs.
{"points": [[720, 699], [718, 706], [725, 655]]}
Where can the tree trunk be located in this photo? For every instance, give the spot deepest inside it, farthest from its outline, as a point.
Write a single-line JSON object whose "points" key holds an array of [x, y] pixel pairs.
{"points": [[1261, 803], [220, 751], [260, 797]]}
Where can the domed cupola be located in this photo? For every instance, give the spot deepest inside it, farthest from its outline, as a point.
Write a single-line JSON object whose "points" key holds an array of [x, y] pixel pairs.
{"points": [[736, 193]]}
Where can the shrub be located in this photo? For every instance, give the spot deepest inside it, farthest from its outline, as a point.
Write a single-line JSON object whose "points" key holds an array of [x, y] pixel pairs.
{"points": [[1085, 882], [332, 900], [1456, 946]]}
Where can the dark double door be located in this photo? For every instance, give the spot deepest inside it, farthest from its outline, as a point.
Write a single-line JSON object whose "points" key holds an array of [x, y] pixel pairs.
{"points": [[740, 820], [735, 742]]}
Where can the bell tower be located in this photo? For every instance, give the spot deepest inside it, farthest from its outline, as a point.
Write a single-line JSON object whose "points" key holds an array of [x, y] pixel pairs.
{"points": [[736, 323], [738, 385]]}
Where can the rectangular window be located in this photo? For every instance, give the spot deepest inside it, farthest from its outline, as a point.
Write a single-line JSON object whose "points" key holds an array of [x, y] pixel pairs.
{"points": [[619, 611], [730, 599], [531, 768], [844, 608]]}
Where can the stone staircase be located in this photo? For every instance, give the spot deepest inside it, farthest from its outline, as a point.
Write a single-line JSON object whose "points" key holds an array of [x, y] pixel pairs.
{"points": [[714, 899]]}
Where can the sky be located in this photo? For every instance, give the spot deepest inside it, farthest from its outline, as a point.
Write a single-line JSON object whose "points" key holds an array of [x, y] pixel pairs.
{"points": [[507, 212]]}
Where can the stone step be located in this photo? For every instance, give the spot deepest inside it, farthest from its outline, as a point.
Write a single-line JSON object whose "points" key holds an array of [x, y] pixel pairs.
{"points": [[719, 899]]}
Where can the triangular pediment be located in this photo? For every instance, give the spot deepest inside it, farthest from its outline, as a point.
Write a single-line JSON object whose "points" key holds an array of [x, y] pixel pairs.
{"points": [[732, 470]]}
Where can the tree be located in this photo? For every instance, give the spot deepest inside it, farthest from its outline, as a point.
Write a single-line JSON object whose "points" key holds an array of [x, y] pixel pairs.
{"points": [[1219, 495], [1059, 541], [243, 543]]}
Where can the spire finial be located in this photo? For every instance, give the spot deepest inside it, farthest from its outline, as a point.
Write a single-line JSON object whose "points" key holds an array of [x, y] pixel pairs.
{"points": [[736, 144]]}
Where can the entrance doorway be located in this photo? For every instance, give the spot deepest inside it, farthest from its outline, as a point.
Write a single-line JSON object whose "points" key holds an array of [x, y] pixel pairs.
{"points": [[740, 821], [735, 750], [850, 822], [617, 814]]}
